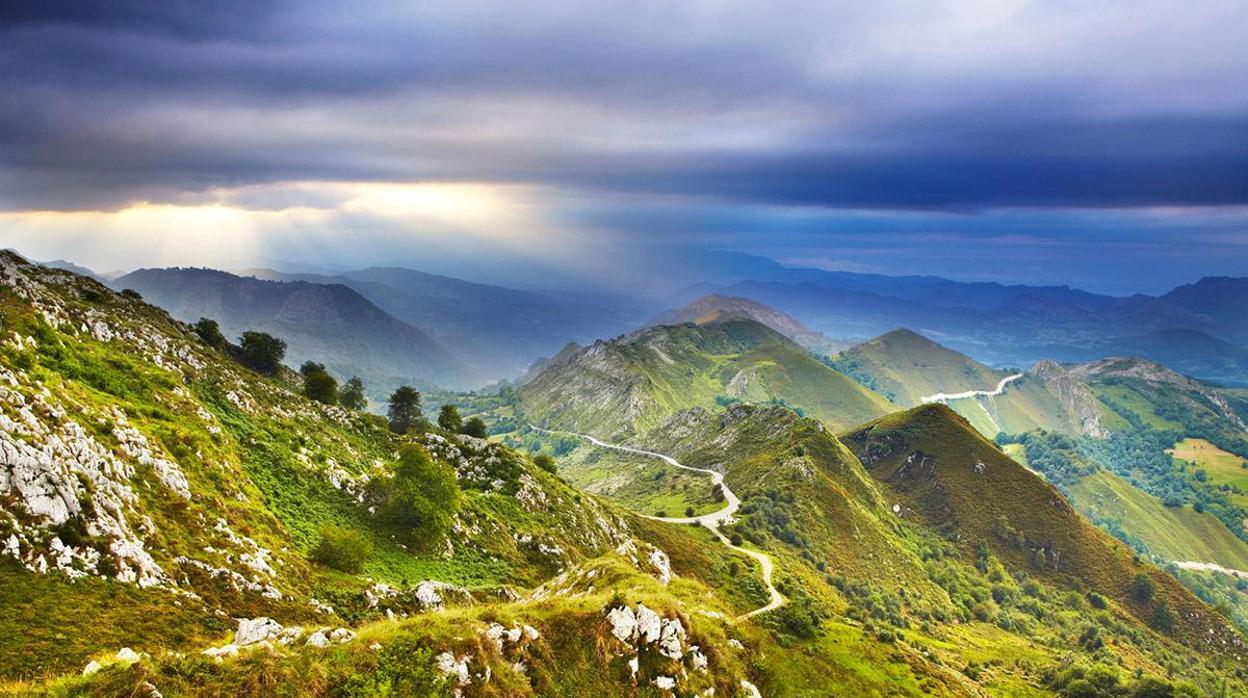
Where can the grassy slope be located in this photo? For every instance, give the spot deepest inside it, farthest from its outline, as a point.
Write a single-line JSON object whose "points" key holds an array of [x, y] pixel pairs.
{"points": [[907, 366], [630, 386], [1223, 468], [1174, 534], [962, 484], [262, 462]]}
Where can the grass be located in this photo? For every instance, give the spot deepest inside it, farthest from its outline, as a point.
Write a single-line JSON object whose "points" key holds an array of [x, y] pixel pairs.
{"points": [[1174, 534], [1223, 468]]}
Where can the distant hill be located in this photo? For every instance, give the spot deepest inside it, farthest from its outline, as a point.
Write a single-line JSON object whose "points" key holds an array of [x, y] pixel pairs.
{"points": [[631, 384], [1019, 325], [498, 331], [906, 366], [952, 479], [327, 323], [713, 307]]}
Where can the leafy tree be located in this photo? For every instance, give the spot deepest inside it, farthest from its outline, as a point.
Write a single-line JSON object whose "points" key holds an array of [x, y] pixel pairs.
{"points": [[1163, 617], [351, 396], [1142, 588], [261, 352], [404, 410], [210, 332], [545, 462], [318, 384], [421, 499], [342, 549], [475, 427], [449, 419]]}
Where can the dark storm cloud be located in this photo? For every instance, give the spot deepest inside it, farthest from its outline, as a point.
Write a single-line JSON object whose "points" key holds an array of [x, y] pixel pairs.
{"points": [[892, 105]]}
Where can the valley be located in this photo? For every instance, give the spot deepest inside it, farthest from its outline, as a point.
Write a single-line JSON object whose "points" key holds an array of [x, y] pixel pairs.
{"points": [[706, 505]]}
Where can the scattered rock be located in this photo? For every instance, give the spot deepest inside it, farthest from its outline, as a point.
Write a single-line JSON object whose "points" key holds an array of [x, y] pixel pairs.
{"points": [[253, 630]]}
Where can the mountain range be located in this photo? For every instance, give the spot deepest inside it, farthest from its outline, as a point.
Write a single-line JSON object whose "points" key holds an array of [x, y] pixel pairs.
{"points": [[174, 523], [327, 323], [1200, 329]]}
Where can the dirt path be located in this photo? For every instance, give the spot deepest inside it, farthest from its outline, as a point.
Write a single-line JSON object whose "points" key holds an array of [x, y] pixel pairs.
{"points": [[711, 521], [945, 397]]}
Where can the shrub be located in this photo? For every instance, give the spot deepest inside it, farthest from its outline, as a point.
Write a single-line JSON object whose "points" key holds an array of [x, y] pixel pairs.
{"points": [[688, 511], [421, 499], [1142, 588], [545, 462], [475, 427], [210, 333], [449, 419], [318, 384], [342, 549], [736, 539], [352, 395], [404, 410], [1163, 617], [261, 352]]}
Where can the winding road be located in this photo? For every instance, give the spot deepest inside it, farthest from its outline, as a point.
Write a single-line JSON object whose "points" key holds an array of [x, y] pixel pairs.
{"points": [[710, 521], [945, 397]]}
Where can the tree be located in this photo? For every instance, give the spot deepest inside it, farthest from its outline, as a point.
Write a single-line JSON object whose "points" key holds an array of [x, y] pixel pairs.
{"points": [[1142, 588], [318, 384], [475, 427], [342, 549], [450, 420], [404, 410], [210, 332], [351, 396], [1163, 617], [421, 499], [545, 462], [261, 352]]}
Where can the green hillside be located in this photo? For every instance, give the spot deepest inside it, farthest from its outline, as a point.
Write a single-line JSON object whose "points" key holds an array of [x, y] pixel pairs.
{"points": [[1171, 533], [906, 366], [964, 486], [173, 523], [630, 385]]}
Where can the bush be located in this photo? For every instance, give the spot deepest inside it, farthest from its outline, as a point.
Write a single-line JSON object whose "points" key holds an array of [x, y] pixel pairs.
{"points": [[210, 333], [1163, 617], [352, 395], [475, 427], [318, 384], [342, 549], [545, 462], [261, 352], [449, 419], [404, 410], [421, 499], [1142, 588]]}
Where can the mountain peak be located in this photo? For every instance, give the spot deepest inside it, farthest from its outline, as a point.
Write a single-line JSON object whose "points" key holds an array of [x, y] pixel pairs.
{"points": [[716, 307]]}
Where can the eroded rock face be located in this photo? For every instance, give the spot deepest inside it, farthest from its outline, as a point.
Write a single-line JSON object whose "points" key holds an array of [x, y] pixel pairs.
{"points": [[1076, 398]]}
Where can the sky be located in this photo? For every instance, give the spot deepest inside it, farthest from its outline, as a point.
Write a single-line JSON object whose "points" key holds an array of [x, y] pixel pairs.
{"points": [[1103, 145]]}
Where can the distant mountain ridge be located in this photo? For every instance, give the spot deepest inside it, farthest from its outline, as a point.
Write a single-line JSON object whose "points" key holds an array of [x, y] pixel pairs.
{"points": [[713, 307], [498, 331], [1200, 328], [630, 384], [327, 323]]}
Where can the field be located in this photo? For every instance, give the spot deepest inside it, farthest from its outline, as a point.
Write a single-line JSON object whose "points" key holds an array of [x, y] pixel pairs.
{"points": [[1223, 468]]}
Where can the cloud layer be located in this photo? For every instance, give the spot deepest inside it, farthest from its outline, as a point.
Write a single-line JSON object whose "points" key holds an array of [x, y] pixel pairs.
{"points": [[694, 112]]}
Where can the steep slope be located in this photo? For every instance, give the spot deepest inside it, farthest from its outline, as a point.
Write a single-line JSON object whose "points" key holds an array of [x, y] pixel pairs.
{"points": [[151, 491], [631, 384], [499, 331], [714, 307], [906, 366], [957, 482], [327, 323]]}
